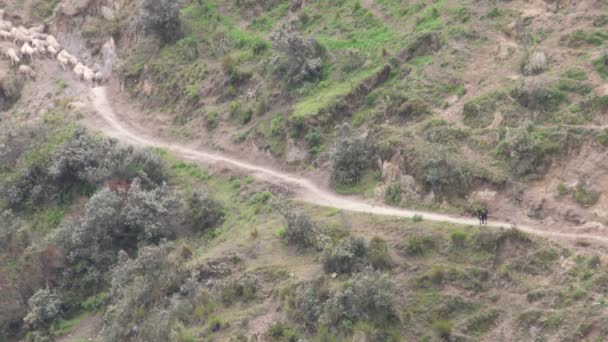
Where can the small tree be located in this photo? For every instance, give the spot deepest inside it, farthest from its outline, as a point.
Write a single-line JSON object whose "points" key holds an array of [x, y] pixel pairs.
{"points": [[45, 306], [297, 58], [349, 156], [206, 212], [161, 17]]}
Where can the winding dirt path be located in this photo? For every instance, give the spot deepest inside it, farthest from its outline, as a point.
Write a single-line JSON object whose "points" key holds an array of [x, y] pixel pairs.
{"points": [[304, 189]]}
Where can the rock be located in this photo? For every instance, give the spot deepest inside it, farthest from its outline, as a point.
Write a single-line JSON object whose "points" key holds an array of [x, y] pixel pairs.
{"points": [[536, 210], [107, 13], [294, 153], [390, 172], [573, 216]]}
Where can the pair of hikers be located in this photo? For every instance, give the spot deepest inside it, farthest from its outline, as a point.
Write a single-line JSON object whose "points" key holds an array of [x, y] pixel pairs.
{"points": [[483, 216]]}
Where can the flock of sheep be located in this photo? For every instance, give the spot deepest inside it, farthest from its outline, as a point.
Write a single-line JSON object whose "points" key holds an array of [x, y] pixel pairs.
{"points": [[34, 42]]}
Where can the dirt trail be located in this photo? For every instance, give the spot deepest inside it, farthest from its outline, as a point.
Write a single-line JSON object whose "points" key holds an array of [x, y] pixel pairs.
{"points": [[305, 190]]}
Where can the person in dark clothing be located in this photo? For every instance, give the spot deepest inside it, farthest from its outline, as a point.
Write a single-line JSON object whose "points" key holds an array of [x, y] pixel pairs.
{"points": [[483, 216]]}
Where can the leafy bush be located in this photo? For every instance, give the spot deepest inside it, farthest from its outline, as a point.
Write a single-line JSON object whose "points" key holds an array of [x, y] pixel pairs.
{"points": [[535, 63], [349, 156], [136, 287], [443, 328], [417, 245], [367, 296], [211, 120], [96, 302], [10, 90], [116, 219], [524, 151], [458, 238], [344, 256], [45, 306], [205, 212], [392, 194], [583, 195], [601, 66], [377, 254], [243, 289], [301, 230], [479, 112], [277, 125], [161, 17], [538, 96], [297, 58], [278, 331], [446, 177]]}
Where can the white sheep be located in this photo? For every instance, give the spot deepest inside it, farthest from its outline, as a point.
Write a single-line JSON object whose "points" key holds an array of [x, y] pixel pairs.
{"points": [[6, 25], [64, 62], [19, 37], [98, 78], [39, 45], [5, 35], [12, 55], [27, 50], [89, 76], [37, 29], [51, 51], [53, 42], [27, 71], [79, 70], [71, 59]]}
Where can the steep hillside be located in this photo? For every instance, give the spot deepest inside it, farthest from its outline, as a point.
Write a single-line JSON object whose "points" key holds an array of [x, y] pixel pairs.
{"points": [[443, 106], [460, 102]]}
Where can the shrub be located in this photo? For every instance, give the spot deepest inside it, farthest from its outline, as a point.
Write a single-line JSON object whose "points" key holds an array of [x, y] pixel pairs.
{"points": [[10, 90], [479, 112], [243, 289], [442, 328], [137, 284], [45, 306], [458, 238], [349, 156], [313, 140], [367, 296], [392, 194], [211, 120], [161, 17], [538, 96], [583, 195], [417, 245], [114, 220], [526, 150], [277, 125], [601, 66], [205, 212], [446, 177], [307, 304], [297, 58], [96, 302], [300, 229], [246, 116], [417, 218], [562, 189], [278, 331], [535, 63], [344, 256], [377, 254]]}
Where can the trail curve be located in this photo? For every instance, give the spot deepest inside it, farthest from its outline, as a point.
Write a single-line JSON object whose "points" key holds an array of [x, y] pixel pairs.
{"points": [[306, 191]]}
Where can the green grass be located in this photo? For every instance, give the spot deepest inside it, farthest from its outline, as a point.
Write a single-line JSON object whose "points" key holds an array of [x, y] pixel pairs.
{"points": [[327, 93], [366, 185], [601, 67], [64, 326]]}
